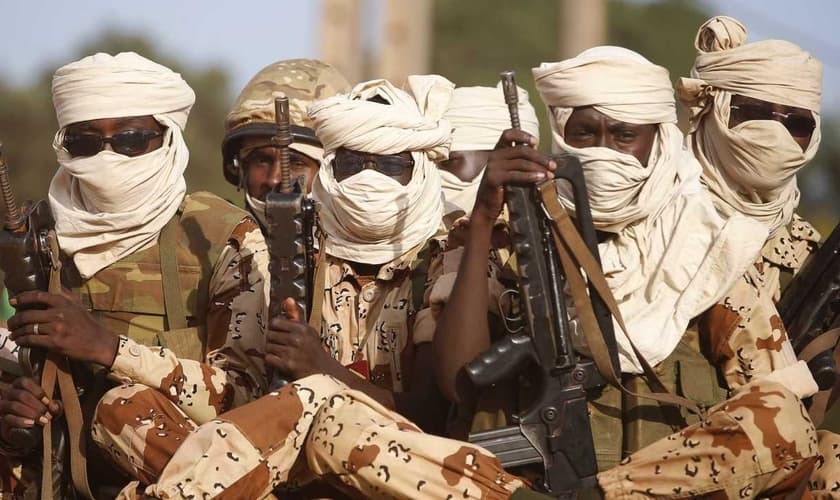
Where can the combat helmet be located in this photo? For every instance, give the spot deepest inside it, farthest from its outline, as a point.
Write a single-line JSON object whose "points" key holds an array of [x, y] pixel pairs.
{"points": [[303, 81]]}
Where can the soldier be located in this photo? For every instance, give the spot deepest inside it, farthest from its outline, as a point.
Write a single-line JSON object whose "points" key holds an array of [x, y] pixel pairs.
{"points": [[478, 116], [249, 160], [667, 256], [379, 180], [166, 291], [754, 123]]}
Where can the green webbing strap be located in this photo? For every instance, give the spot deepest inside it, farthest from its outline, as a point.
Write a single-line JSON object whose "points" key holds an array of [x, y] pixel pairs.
{"points": [[176, 316], [418, 277]]}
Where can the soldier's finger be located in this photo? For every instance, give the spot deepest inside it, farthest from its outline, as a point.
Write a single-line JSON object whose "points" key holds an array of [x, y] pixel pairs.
{"points": [[291, 310], [31, 386], [291, 339], [523, 152], [70, 296], [286, 325], [25, 397], [26, 339], [37, 297], [282, 361], [19, 409], [511, 136], [15, 421], [26, 317]]}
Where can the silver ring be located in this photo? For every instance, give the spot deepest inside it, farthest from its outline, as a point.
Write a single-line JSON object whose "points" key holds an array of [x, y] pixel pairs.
{"points": [[35, 329]]}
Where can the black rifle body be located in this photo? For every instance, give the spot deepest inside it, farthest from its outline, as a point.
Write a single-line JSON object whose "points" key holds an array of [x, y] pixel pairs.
{"points": [[810, 306]]}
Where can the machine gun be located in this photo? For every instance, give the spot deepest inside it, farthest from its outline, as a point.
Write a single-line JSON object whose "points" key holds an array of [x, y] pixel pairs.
{"points": [[28, 255], [810, 309], [290, 215], [554, 430]]}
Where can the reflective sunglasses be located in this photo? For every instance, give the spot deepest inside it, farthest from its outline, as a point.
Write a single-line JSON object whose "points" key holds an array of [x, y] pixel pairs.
{"points": [[128, 143], [347, 163], [797, 125]]}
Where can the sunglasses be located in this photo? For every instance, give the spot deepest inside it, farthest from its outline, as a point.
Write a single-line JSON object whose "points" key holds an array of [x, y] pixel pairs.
{"points": [[128, 143], [797, 125], [347, 163]]}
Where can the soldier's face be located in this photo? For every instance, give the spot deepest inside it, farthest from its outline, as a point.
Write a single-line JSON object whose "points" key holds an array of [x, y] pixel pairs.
{"points": [[465, 165], [799, 122], [589, 128], [262, 167]]}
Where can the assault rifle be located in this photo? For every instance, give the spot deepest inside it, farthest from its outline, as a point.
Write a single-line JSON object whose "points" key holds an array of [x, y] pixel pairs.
{"points": [[810, 307], [554, 430], [290, 215], [27, 260]]}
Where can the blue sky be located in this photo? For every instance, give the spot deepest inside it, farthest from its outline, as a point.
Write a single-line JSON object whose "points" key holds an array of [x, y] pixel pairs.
{"points": [[244, 36]]}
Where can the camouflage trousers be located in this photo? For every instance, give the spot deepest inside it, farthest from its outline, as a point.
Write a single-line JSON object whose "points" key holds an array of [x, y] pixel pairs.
{"points": [[313, 428], [758, 442]]}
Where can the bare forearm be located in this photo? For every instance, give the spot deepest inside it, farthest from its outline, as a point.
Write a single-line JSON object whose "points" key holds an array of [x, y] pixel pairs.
{"points": [[462, 331]]}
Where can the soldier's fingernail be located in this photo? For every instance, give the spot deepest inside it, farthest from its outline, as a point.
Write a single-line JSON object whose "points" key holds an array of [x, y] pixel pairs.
{"points": [[28, 422], [552, 165], [46, 400], [44, 420], [13, 301]]}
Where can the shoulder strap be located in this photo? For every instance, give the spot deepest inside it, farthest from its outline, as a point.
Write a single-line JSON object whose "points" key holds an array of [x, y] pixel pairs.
{"points": [[418, 277], [176, 316], [57, 370]]}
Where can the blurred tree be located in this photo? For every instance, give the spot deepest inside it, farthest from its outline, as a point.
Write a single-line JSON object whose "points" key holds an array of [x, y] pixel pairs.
{"points": [[474, 42], [28, 125]]}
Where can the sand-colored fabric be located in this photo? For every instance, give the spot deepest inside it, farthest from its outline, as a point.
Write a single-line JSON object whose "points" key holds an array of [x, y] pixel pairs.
{"points": [[110, 205], [750, 168], [478, 116], [369, 217], [672, 255]]}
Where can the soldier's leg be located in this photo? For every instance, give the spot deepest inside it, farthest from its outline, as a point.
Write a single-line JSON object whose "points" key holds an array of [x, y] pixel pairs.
{"points": [[759, 441], [140, 429], [825, 481], [342, 434]]}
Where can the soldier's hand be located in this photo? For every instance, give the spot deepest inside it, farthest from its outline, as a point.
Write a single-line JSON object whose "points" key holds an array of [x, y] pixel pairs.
{"points": [[65, 327], [23, 405], [507, 164], [293, 347]]}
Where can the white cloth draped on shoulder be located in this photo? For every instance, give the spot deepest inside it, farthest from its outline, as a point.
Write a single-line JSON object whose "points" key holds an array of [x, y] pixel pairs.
{"points": [[368, 217], [478, 116], [671, 256], [109, 205], [750, 168]]}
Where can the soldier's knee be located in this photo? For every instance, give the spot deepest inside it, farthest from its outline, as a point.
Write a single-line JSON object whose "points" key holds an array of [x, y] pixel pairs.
{"points": [[775, 420]]}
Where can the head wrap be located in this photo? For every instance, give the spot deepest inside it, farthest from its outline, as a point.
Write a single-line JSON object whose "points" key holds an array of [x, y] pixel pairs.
{"points": [[672, 256], [478, 116], [109, 205], [369, 217], [750, 168]]}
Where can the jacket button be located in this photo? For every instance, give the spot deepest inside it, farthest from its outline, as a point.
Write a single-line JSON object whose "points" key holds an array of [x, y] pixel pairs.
{"points": [[134, 350]]}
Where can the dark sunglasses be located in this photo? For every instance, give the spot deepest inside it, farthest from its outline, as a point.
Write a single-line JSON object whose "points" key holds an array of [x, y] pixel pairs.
{"points": [[797, 125], [128, 143], [347, 163]]}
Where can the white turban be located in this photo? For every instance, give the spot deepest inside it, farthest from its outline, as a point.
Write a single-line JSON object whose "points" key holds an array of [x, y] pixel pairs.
{"points": [[109, 206], [672, 256], [750, 168], [478, 116], [368, 217]]}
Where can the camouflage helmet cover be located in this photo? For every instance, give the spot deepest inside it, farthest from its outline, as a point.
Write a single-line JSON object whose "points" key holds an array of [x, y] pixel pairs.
{"points": [[303, 81]]}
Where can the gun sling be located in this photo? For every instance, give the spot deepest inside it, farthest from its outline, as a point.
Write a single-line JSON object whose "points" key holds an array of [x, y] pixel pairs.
{"points": [[57, 369], [574, 256]]}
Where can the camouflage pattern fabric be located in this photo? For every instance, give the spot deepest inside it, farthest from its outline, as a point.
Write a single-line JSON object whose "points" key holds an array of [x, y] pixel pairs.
{"points": [[231, 372], [367, 322], [303, 81], [318, 429]]}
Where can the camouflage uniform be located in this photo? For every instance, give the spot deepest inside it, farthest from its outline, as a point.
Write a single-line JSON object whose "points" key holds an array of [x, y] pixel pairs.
{"points": [[368, 322], [745, 335], [206, 369], [318, 427], [759, 440]]}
